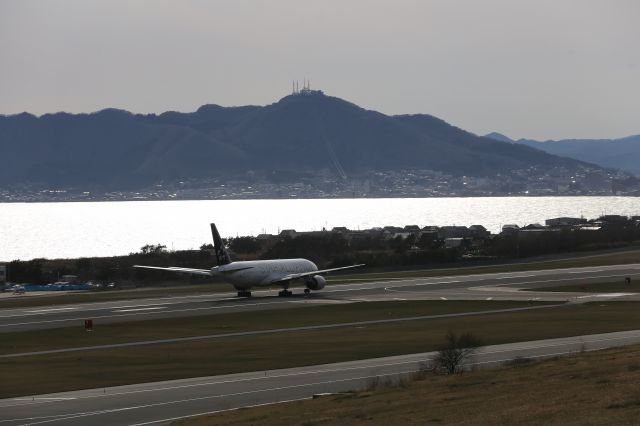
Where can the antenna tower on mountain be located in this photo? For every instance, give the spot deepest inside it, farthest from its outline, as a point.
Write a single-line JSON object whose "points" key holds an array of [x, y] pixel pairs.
{"points": [[306, 88]]}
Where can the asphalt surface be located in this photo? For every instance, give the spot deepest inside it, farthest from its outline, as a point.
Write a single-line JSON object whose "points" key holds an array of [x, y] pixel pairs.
{"points": [[495, 286], [161, 402]]}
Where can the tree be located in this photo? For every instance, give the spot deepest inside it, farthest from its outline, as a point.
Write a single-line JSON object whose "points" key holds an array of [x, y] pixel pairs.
{"points": [[153, 248], [245, 245], [456, 350]]}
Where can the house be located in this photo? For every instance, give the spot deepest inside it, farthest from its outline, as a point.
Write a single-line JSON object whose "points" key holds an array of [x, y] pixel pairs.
{"points": [[565, 221], [534, 226], [510, 229], [340, 230], [412, 228], [445, 232], [454, 242], [479, 231], [291, 233]]}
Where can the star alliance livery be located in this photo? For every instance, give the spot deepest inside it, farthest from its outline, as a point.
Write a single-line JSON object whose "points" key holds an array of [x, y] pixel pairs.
{"points": [[258, 273]]}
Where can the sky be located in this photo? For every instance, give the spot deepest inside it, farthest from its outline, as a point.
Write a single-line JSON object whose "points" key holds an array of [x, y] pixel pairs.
{"points": [[542, 69]]}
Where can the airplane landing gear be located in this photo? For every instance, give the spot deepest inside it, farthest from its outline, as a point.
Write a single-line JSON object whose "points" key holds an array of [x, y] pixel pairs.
{"points": [[244, 293], [285, 293], [307, 291]]}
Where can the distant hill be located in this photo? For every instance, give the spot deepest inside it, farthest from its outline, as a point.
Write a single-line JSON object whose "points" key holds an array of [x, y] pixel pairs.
{"points": [[304, 132], [499, 137], [621, 153]]}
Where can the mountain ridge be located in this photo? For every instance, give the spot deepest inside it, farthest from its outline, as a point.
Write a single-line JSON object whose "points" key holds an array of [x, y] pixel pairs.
{"points": [[621, 153], [114, 148]]}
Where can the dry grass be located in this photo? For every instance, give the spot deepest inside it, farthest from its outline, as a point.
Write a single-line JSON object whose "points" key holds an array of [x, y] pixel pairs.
{"points": [[609, 287], [299, 315], [599, 388], [89, 369]]}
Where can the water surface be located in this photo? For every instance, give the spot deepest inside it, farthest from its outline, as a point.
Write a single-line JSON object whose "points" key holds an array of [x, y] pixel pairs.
{"points": [[30, 230]]}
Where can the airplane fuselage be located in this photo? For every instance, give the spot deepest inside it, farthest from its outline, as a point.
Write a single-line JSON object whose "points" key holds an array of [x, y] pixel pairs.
{"points": [[255, 273]]}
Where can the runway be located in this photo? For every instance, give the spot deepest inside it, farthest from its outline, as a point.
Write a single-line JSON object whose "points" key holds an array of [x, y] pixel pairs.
{"points": [[494, 286], [161, 402]]}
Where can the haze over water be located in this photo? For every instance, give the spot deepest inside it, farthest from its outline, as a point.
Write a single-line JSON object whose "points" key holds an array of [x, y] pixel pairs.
{"points": [[58, 230]]}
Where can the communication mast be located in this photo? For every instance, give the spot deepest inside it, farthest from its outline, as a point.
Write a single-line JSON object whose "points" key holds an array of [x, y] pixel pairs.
{"points": [[306, 88]]}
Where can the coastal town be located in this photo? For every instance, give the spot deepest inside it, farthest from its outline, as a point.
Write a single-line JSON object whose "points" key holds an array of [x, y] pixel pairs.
{"points": [[329, 184]]}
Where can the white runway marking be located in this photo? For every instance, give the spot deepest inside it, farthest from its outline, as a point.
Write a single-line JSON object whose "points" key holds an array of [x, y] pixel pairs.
{"points": [[515, 276], [443, 298], [141, 309], [136, 306], [44, 399], [40, 311], [613, 294]]}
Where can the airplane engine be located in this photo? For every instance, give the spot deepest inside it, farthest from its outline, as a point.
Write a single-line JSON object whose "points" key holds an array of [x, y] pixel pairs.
{"points": [[317, 282]]}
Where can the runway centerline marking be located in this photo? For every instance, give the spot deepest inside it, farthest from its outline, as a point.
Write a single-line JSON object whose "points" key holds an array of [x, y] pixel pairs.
{"points": [[145, 305], [38, 398], [43, 311], [141, 309]]}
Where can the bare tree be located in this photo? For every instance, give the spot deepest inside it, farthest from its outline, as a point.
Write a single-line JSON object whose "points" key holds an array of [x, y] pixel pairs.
{"points": [[455, 351]]}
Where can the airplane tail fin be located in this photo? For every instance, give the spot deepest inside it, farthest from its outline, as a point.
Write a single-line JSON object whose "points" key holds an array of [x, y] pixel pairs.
{"points": [[222, 256]]}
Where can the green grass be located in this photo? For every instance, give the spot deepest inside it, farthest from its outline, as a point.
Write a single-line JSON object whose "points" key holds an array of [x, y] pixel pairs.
{"points": [[104, 368], [597, 388], [104, 334], [608, 287]]}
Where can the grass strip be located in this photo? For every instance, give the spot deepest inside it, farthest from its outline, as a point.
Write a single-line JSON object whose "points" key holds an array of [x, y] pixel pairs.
{"points": [[168, 328], [60, 372], [27, 300], [597, 388], [607, 287], [272, 331], [607, 259]]}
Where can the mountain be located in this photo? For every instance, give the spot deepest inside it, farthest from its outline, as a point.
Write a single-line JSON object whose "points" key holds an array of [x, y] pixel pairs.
{"points": [[498, 137], [621, 153], [302, 132]]}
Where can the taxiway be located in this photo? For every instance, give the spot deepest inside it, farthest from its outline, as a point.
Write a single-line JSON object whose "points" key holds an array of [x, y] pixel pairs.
{"points": [[495, 286], [162, 402]]}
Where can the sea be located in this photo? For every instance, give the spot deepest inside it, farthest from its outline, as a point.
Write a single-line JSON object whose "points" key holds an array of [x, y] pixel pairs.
{"points": [[86, 229]]}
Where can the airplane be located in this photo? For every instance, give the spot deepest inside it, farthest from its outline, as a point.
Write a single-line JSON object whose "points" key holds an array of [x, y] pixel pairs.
{"points": [[244, 275]]}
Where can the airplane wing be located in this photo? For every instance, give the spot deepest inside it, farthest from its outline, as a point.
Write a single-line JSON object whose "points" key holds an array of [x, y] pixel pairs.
{"points": [[179, 270], [306, 274]]}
